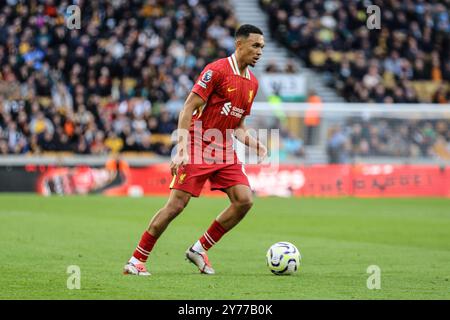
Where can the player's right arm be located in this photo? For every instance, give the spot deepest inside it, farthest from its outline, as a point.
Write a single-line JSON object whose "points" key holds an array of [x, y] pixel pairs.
{"points": [[202, 90], [192, 103]]}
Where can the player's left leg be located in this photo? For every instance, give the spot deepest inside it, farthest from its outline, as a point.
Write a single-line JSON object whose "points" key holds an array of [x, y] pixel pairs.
{"points": [[241, 201]]}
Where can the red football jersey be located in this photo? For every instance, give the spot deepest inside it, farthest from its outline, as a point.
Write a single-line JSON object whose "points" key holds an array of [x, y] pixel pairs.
{"points": [[228, 97]]}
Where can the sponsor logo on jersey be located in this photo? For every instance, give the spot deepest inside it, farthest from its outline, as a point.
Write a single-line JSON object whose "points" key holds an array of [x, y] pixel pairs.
{"points": [[228, 109], [231, 89]]}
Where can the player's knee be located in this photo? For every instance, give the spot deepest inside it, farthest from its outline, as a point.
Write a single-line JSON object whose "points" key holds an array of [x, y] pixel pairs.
{"points": [[244, 204], [175, 208]]}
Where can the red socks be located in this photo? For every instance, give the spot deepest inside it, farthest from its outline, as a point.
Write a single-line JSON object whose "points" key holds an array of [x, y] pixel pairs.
{"points": [[145, 247], [213, 235], [209, 238]]}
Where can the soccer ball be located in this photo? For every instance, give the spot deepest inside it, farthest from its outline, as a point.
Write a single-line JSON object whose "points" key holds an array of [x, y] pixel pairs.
{"points": [[283, 258]]}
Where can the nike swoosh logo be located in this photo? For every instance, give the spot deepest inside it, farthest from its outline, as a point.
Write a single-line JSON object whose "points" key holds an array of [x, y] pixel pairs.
{"points": [[231, 89]]}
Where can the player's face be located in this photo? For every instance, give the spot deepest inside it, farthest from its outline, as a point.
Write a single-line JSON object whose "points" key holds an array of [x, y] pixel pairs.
{"points": [[250, 49]]}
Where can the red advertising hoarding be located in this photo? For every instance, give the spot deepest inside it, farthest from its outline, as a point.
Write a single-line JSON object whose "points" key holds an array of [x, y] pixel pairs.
{"points": [[285, 180]]}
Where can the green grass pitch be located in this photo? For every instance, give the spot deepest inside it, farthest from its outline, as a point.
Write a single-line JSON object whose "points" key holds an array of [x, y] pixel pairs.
{"points": [[409, 239]]}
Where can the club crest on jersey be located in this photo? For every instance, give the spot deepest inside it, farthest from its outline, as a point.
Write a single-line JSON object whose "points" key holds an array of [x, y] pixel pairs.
{"points": [[207, 76]]}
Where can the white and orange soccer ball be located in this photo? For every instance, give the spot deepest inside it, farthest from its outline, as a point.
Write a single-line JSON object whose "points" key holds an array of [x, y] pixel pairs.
{"points": [[283, 258]]}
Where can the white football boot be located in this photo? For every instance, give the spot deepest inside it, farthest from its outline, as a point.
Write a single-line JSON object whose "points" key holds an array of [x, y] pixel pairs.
{"points": [[137, 269], [200, 259]]}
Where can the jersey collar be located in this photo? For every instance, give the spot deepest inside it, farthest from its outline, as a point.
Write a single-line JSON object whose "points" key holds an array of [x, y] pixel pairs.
{"points": [[234, 66]]}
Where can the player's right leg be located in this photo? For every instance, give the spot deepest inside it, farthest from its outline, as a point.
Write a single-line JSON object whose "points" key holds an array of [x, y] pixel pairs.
{"points": [[176, 203]]}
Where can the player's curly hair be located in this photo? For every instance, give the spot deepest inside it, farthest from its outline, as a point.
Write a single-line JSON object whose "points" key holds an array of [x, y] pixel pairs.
{"points": [[246, 29]]}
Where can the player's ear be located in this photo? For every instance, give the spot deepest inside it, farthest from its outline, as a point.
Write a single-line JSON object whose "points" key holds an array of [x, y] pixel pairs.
{"points": [[238, 42]]}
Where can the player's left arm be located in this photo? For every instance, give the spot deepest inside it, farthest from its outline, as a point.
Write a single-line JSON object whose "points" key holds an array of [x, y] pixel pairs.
{"points": [[242, 134]]}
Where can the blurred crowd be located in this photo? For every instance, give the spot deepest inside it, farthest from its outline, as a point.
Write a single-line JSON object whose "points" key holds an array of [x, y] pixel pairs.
{"points": [[381, 65], [288, 68], [388, 137], [119, 82], [110, 86]]}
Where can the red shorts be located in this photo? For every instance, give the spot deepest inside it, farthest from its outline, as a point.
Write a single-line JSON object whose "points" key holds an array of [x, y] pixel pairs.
{"points": [[192, 177]]}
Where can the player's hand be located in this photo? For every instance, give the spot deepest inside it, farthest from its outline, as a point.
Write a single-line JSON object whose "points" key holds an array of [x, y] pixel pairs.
{"points": [[262, 152], [177, 161]]}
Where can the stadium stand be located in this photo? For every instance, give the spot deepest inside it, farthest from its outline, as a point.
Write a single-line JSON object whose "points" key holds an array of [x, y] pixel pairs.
{"points": [[406, 61], [388, 137], [116, 84]]}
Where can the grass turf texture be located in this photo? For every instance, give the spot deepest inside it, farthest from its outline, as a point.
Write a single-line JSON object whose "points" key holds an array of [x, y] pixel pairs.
{"points": [[409, 239]]}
